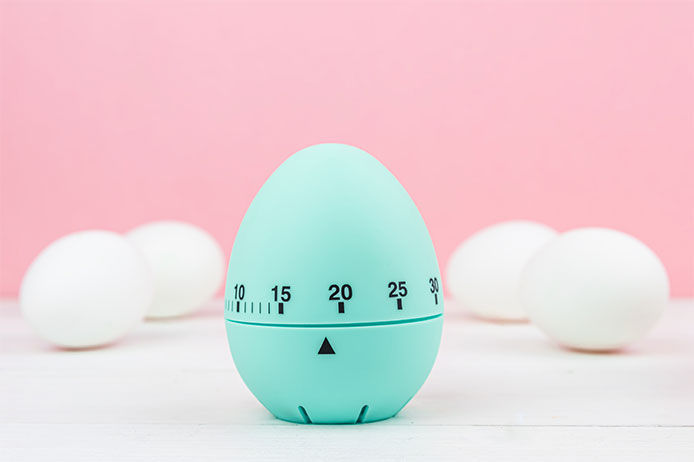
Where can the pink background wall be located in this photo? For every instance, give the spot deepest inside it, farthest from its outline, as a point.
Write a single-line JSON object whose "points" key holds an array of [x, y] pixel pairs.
{"points": [[117, 113]]}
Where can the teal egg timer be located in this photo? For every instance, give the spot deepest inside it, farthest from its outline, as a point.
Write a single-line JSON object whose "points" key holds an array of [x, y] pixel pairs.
{"points": [[333, 304]]}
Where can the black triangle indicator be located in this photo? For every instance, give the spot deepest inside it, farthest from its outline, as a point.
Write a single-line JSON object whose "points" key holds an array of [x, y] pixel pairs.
{"points": [[326, 348]]}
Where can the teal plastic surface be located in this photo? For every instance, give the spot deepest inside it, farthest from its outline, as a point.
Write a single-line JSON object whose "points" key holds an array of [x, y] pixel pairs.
{"points": [[333, 303]]}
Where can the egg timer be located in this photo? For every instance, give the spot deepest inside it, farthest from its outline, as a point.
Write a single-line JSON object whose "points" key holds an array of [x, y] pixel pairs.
{"points": [[333, 306]]}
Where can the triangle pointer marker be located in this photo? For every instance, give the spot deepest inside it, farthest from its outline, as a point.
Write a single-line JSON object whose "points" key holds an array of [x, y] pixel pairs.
{"points": [[326, 348]]}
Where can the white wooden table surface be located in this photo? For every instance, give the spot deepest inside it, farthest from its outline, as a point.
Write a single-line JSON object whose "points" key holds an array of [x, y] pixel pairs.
{"points": [[169, 391]]}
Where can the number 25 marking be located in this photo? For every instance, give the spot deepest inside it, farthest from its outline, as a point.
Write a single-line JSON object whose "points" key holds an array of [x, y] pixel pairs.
{"points": [[398, 289]]}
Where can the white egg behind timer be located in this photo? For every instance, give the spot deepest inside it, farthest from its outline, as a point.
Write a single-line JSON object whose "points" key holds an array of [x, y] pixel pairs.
{"points": [[86, 289], [595, 289], [187, 263], [484, 272]]}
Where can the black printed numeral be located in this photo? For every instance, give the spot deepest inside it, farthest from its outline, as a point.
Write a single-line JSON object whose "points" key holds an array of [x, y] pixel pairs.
{"points": [[434, 283], [337, 292], [282, 293], [397, 289], [434, 288]]}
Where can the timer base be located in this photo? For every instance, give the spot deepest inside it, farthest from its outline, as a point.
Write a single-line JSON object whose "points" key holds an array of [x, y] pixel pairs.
{"points": [[335, 375]]}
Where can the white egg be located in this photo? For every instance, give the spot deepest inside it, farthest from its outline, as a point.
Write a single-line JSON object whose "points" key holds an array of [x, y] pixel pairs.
{"points": [[86, 289], [187, 263], [484, 272], [595, 289]]}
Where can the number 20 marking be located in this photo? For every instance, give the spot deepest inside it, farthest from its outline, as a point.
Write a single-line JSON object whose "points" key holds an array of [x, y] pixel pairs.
{"points": [[340, 294]]}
